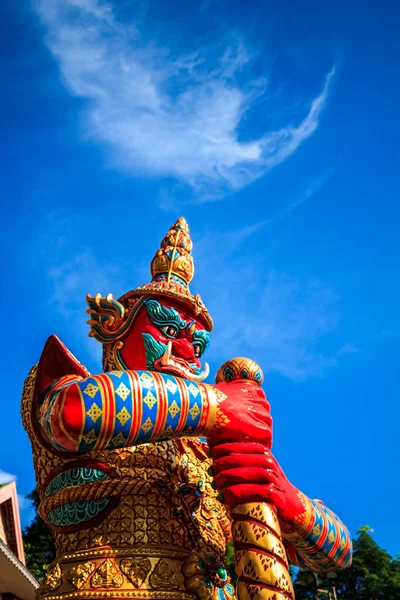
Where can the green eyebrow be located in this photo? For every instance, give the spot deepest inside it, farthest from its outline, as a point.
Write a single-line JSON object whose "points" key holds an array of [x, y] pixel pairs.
{"points": [[161, 316], [201, 337]]}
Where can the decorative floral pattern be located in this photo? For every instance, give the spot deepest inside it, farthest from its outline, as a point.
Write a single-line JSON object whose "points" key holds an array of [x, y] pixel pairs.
{"points": [[77, 476], [207, 577], [77, 512]]}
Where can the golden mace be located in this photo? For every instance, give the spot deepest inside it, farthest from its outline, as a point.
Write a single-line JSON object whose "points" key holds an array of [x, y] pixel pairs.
{"points": [[260, 557]]}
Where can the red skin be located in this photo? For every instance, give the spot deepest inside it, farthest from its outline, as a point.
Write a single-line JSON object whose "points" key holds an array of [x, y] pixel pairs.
{"points": [[248, 472], [248, 411], [245, 469], [133, 352]]}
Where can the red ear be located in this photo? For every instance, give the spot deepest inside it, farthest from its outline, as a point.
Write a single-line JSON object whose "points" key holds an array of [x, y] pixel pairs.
{"points": [[56, 361]]}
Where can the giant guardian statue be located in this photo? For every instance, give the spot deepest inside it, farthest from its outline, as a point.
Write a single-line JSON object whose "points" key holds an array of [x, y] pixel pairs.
{"points": [[145, 472]]}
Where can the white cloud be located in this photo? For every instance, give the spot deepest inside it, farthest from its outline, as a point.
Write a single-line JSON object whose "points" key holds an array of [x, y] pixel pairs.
{"points": [[348, 349], [73, 279], [23, 503], [313, 187], [167, 115], [6, 477]]}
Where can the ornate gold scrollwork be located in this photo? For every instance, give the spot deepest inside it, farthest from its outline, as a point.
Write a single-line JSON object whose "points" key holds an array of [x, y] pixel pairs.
{"points": [[107, 575], [79, 574], [111, 361], [207, 577], [163, 576], [107, 316], [136, 570], [53, 579]]}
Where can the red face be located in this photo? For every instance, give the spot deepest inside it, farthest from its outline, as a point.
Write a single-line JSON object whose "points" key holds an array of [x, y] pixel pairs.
{"points": [[166, 337]]}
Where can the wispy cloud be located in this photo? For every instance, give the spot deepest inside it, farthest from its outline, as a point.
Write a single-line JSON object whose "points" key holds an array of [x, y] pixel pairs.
{"points": [[348, 349], [278, 319], [73, 270], [6, 477], [313, 187], [23, 503], [71, 280], [287, 319], [166, 114]]}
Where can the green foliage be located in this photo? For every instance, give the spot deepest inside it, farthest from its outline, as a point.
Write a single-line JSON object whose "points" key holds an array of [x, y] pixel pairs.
{"points": [[38, 543], [305, 585], [374, 575], [230, 562]]}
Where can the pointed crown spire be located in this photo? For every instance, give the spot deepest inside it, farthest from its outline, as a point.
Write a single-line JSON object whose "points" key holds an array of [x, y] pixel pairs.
{"points": [[173, 261], [172, 270]]}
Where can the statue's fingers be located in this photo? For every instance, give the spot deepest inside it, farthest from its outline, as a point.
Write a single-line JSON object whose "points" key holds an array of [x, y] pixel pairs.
{"points": [[237, 461], [237, 476], [247, 492], [247, 447]]}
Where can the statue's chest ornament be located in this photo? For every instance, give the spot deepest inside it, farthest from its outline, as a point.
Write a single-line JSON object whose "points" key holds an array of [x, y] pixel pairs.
{"points": [[207, 577]]}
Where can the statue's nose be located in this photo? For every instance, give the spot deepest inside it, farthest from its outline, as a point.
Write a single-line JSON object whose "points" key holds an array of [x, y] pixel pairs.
{"points": [[182, 348]]}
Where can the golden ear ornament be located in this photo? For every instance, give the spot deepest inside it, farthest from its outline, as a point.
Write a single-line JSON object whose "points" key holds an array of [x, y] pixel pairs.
{"points": [[109, 319]]}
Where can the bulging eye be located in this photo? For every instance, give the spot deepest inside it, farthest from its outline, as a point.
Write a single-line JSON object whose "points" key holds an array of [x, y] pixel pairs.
{"points": [[170, 330], [197, 350]]}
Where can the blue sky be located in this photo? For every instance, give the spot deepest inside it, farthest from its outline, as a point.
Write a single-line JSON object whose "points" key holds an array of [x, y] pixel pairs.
{"points": [[273, 128]]}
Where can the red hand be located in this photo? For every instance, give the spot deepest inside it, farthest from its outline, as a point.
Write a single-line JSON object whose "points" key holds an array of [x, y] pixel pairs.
{"points": [[246, 414], [248, 472]]}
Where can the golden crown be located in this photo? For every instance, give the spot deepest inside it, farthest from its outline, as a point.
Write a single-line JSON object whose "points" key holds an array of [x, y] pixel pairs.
{"points": [[174, 257], [172, 270]]}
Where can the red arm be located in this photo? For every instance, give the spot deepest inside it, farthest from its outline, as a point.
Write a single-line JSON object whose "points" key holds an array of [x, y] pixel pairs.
{"points": [[78, 412], [316, 538]]}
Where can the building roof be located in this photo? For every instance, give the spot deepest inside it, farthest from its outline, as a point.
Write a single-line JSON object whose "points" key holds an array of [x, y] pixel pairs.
{"points": [[15, 578], [9, 514]]}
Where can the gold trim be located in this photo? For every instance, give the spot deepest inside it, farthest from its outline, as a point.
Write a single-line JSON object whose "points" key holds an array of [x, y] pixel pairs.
{"points": [[173, 256], [107, 575], [128, 552], [257, 535], [194, 303], [211, 394], [136, 570], [261, 511], [245, 591], [179, 595]]}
